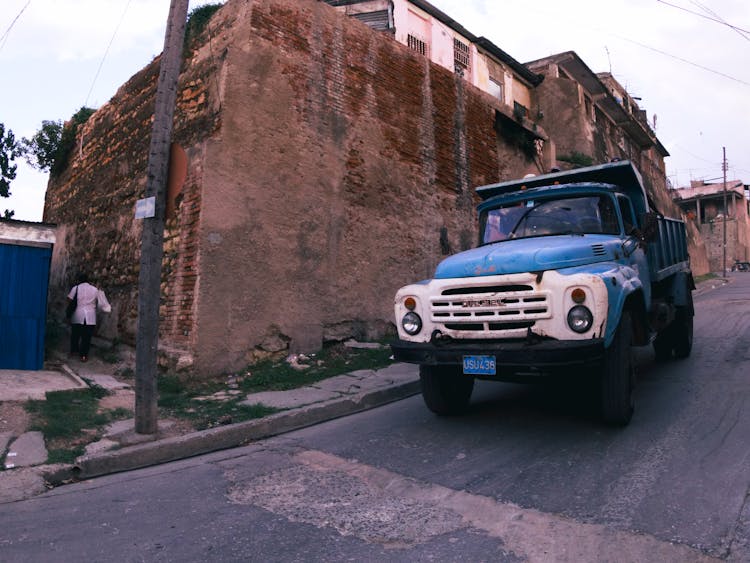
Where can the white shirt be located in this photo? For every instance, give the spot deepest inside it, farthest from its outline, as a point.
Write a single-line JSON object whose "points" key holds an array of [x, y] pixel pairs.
{"points": [[88, 299]]}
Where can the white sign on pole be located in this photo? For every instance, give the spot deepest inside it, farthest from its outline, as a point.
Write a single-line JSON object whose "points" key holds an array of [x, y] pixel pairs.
{"points": [[145, 208]]}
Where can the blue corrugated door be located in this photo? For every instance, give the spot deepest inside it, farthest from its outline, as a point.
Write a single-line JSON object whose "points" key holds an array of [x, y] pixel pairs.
{"points": [[24, 277]]}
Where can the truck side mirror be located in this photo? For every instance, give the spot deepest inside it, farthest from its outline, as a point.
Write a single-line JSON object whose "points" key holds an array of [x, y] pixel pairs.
{"points": [[650, 228]]}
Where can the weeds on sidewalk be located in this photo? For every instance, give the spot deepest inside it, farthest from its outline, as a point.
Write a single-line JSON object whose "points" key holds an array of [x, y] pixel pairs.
{"points": [[69, 420], [704, 277], [208, 404], [281, 375], [190, 403]]}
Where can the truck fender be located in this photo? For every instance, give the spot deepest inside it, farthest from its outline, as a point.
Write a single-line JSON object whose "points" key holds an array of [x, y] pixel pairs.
{"points": [[625, 293], [680, 288]]}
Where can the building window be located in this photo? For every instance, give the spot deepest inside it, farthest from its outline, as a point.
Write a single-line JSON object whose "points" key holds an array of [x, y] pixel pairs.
{"points": [[519, 111], [587, 107], [461, 57], [380, 20], [416, 44], [496, 89]]}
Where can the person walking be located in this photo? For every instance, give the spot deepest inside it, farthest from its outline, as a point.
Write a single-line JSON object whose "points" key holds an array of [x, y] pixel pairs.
{"points": [[83, 320]]}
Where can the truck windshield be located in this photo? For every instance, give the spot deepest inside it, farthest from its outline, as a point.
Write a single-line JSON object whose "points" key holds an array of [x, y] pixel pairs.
{"points": [[533, 218]]}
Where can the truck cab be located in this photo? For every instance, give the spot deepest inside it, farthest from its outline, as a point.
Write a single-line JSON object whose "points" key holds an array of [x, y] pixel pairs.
{"points": [[570, 271]]}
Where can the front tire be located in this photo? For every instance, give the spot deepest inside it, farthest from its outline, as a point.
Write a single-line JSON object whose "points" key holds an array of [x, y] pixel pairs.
{"points": [[617, 378], [445, 390]]}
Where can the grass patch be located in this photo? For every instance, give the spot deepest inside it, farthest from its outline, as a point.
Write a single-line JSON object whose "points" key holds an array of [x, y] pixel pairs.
{"points": [[69, 420], [180, 400], [65, 455], [704, 277], [332, 361], [66, 413]]}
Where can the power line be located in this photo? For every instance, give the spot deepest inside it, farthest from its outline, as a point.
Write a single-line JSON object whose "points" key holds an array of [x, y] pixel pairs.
{"points": [[713, 19], [722, 20], [106, 52], [682, 59], [4, 38]]}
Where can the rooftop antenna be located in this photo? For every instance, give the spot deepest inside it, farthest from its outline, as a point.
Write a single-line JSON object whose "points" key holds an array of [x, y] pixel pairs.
{"points": [[609, 59]]}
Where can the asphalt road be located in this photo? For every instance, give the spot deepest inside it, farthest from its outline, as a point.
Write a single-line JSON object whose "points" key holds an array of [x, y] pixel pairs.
{"points": [[529, 474]]}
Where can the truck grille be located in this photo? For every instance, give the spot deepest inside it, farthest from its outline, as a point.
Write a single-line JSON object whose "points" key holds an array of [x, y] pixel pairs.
{"points": [[497, 310]]}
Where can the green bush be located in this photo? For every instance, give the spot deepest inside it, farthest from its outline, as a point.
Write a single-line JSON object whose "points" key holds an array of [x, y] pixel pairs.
{"points": [[578, 159], [48, 150], [197, 21]]}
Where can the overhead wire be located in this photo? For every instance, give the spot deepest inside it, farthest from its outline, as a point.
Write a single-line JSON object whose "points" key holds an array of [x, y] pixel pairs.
{"points": [[106, 52], [740, 32], [681, 59], [713, 17], [5, 36]]}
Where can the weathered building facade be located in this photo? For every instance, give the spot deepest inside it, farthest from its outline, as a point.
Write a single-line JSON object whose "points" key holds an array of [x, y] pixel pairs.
{"points": [[592, 119], [423, 28], [327, 166], [720, 212]]}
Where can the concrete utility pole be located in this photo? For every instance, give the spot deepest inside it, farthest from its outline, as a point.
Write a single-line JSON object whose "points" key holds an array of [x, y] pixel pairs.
{"points": [[152, 245], [726, 211]]}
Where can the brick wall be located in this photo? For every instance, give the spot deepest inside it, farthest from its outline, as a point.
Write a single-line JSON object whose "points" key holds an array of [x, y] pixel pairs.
{"points": [[93, 202]]}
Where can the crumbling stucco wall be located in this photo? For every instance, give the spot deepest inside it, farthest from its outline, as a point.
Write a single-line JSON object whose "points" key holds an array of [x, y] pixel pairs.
{"points": [[328, 165]]}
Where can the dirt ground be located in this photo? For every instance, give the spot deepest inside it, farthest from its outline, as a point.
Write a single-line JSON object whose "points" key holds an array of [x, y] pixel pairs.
{"points": [[13, 418]]}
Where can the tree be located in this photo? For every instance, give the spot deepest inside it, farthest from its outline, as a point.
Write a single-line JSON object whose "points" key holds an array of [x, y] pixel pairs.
{"points": [[10, 149], [49, 148], [43, 148]]}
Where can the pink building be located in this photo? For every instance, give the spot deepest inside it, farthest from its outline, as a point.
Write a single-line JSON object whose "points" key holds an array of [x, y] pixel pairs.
{"points": [[434, 34]]}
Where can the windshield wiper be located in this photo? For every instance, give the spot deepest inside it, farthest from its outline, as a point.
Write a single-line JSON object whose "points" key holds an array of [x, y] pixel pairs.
{"points": [[512, 233]]}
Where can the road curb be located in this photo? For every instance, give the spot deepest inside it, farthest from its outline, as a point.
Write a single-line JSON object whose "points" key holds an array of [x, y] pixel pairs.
{"points": [[232, 435]]}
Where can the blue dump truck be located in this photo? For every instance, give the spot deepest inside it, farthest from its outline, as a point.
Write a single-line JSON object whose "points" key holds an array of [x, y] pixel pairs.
{"points": [[572, 269]]}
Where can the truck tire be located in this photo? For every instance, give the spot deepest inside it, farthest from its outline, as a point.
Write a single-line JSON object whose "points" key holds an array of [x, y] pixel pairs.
{"points": [[678, 336], [683, 332], [617, 379], [445, 390]]}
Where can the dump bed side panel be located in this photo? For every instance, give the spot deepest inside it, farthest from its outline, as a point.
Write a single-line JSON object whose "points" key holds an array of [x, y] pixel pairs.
{"points": [[669, 253]]}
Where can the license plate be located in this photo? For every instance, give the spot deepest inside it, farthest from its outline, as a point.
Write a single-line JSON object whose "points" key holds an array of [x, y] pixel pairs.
{"points": [[479, 365]]}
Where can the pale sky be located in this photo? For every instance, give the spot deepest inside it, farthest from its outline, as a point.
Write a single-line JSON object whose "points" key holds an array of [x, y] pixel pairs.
{"points": [[690, 71]]}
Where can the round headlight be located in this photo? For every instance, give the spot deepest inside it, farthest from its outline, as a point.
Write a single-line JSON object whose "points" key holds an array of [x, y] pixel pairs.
{"points": [[580, 319], [411, 323]]}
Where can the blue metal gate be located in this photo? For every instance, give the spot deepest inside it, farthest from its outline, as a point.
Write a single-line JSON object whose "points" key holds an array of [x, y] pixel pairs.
{"points": [[24, 279]]}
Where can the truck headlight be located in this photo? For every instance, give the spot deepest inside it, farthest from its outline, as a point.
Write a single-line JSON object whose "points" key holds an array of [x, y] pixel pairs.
{"points": [[411, 323], [580, 319]]}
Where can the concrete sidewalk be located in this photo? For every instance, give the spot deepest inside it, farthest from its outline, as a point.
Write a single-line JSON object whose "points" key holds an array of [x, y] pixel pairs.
{"points": [[121, 449]]}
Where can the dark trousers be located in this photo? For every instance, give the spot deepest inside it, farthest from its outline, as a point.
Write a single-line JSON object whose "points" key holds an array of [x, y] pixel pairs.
{"points": [[80, 339]]}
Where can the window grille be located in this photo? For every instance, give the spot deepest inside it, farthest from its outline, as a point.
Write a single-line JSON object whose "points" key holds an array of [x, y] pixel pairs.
{"points": [[461, 56], [416, 44]]}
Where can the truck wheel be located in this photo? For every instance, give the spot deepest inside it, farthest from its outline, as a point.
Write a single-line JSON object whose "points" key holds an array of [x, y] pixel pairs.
{"points": [[445, 390], [683, 332], [618, 376]]}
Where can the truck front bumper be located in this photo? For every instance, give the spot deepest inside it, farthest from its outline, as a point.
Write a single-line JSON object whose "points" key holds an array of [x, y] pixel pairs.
{"points": [[516, 354]]}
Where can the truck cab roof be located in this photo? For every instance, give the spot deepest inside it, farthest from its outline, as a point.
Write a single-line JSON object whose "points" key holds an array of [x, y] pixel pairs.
{"points": [[622, 175]]}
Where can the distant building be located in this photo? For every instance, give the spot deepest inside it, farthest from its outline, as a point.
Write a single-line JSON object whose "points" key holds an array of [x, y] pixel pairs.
{"points": [[704, 205], [592, 119]]}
